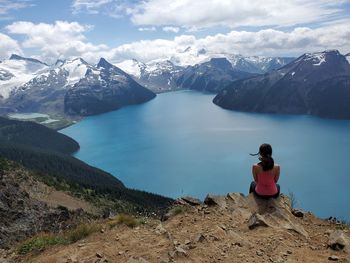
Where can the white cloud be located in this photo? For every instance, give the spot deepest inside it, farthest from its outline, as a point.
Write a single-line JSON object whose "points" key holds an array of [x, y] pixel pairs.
{"points": [[8, 46], [6, 6], [67, 40], [89, 6], [171, 29], [270, 42], [113, 8], [232, 13], [59, 40], [152, 28]]}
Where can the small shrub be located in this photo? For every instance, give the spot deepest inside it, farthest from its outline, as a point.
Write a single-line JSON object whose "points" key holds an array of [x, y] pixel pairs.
{"points": [[293, 199], [81, 232], [125, 219], [40, 243], [179, 209]]}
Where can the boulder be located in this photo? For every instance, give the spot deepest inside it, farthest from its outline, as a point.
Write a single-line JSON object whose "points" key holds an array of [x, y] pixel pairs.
{"points": [[190, 201], [256, 220], [218, 200], [297, 213], [338, 240]]}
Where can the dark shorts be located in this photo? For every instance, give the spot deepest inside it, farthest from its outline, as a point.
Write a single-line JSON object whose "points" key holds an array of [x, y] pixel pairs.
{"points": [[252, 190]]}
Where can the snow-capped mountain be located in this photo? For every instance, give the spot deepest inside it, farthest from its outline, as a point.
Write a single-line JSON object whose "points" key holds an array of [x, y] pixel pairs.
{"points": [[16, 71], [348, 57], [36, 87], [166, 75], [257, 64], [158, 75], [315, 83], [210, 76], [102, 89]]}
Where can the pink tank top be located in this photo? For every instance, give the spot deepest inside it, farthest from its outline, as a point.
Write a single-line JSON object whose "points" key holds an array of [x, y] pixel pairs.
{"points": [[266, 184]]}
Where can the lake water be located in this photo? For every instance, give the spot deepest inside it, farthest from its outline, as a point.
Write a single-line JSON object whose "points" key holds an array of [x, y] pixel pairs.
{"points": [[180, 143]]}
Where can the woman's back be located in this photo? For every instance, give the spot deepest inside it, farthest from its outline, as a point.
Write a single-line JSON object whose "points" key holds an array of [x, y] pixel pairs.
{"points": [[266, 180]]}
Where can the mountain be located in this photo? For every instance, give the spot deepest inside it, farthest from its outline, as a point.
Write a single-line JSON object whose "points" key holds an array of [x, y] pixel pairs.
{"points": [[210, 76], [257, 64], [158, 76], [31, 86], [104, 89], [315, 84], [16, 71]]}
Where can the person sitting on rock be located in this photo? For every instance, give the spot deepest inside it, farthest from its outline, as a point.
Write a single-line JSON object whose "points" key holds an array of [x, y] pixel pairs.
{"points": [[266, 174]]}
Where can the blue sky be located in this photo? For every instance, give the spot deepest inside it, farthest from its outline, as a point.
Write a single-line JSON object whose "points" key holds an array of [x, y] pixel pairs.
{"points": [[163, 29]]}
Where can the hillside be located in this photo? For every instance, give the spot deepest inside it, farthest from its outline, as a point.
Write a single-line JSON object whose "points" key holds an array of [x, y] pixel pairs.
{"points": [[232, 228], [29, 206], [35, 135], [46, 152], [315, 84]]}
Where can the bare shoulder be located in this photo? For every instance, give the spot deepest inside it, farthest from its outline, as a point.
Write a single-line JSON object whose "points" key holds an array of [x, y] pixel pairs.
{"points": [[277, 167]]}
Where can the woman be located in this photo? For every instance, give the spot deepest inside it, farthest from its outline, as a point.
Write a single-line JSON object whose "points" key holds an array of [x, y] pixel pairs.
{"points": [[266, 174]]}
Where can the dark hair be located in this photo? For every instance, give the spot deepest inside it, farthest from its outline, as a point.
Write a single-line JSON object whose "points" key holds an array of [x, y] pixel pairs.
{"points": [[266, 160]]}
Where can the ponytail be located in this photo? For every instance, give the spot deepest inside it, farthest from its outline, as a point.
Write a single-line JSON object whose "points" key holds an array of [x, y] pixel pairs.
{"points": [[266, 162]]}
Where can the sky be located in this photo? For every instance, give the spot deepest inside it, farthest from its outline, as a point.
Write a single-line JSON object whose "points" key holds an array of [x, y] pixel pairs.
{"points": [[180, 30]]}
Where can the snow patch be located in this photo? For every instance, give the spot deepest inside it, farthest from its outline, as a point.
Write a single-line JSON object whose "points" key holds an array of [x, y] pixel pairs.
{"points": [[132, 67], [317, 59]]}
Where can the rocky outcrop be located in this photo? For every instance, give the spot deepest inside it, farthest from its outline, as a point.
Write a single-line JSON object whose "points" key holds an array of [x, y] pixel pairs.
{"points": [[245, 229]]}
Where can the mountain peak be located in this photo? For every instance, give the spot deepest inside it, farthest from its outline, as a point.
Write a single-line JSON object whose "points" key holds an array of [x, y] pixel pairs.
{"points": [[18, 57], [103, 63]]}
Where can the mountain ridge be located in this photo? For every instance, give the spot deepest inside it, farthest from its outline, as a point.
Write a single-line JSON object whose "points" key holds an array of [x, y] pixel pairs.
{"points": [[315, 84]]}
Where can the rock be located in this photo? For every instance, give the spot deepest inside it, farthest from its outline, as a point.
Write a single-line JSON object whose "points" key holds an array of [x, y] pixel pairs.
{"points": [[256, 220], [199, 238], [297, 213], [237, 198], [191, 201], [218, 200], [160, 229], [134, 259], [333, 258], [180, 252], [99, 255], [259, 253], [338, 240], [187, 242]]}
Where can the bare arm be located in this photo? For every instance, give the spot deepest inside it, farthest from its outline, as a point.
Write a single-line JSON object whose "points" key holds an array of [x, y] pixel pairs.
{"points": [[277, 175], [254, 173]]}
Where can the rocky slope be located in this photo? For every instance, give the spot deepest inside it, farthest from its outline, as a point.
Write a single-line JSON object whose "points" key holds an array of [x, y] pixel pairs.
{"points": [[27, 206], [232, 228], [315, 84]]}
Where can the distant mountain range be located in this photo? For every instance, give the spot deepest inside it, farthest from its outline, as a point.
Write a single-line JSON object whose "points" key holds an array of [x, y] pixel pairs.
{"points": [[210, 75], [315, 84], [72, 87]]}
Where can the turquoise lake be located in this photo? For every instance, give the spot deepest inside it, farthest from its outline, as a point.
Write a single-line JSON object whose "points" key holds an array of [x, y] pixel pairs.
{"points": [[180, 143]]}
